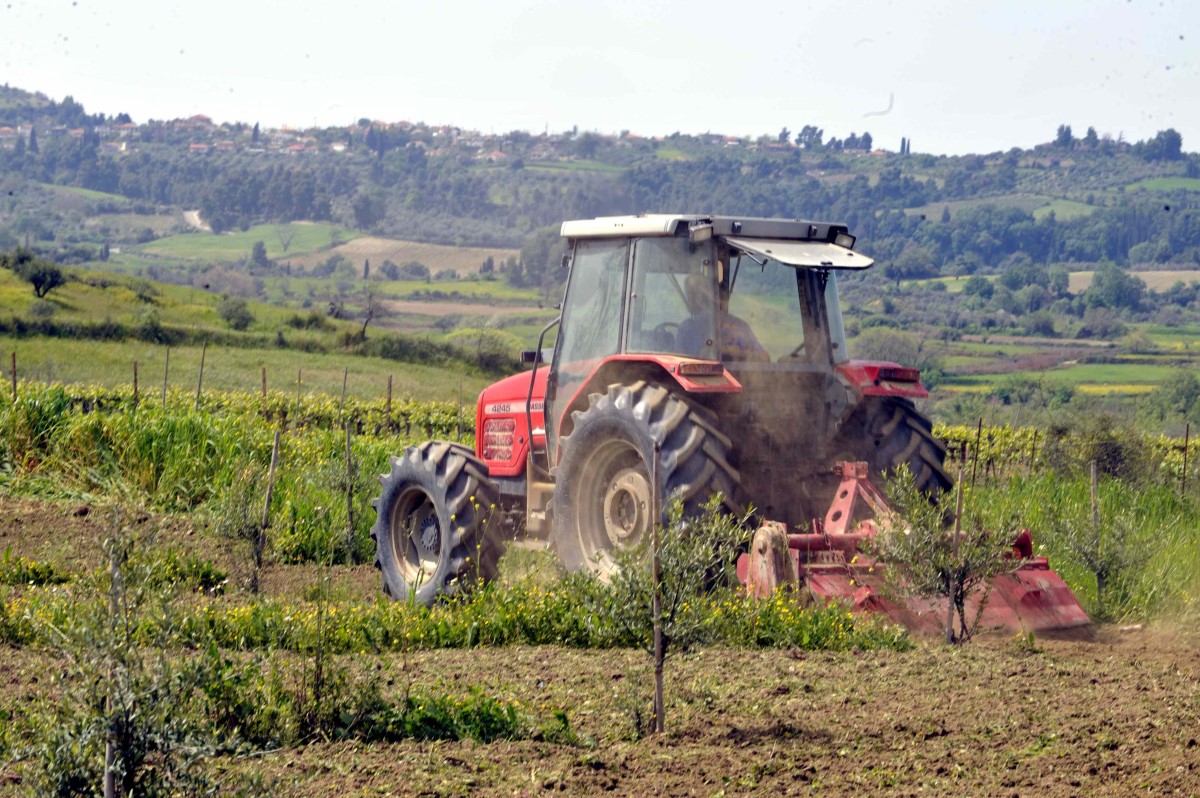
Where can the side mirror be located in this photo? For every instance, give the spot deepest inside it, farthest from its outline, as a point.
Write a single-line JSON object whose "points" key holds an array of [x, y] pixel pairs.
{"points": [[531, 356]]}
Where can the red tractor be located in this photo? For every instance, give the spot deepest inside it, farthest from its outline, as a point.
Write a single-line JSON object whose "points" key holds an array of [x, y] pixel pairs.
{"points": [[716, 341]]}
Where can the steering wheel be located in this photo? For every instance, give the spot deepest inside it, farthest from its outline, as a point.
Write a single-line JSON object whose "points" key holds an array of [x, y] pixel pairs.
{"points": [[665, 335]]}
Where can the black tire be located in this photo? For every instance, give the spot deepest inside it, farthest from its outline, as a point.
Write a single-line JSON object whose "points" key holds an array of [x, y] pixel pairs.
{"points": [[602, 490], [888, 432], [434, 526]]}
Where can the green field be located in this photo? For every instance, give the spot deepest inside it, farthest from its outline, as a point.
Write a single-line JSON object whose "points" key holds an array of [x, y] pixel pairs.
{"points": [[670, 154], [86, 193], [1093, 375], [306, 238], [110, 364], [1167, 184], [933, 210], [1064, 210]]}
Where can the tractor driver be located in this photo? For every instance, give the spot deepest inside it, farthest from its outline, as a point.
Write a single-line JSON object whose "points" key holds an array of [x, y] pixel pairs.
{"points": [[738, 341]]}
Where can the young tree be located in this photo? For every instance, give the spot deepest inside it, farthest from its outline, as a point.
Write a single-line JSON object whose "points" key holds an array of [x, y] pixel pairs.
{"points": [[931, 554], [285, 233], [372, 309], [43, 275], [258, 255]]}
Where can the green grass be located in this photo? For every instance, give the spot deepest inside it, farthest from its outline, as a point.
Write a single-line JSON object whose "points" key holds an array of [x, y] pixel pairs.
{"points": [[230, 246], [113, 297], [87, 193], [110, 364], [1064, 210], [933, 210], [670, 154], [475, 290], [1082, 374], [954, 285], [1175, 338], [1167, 184]]}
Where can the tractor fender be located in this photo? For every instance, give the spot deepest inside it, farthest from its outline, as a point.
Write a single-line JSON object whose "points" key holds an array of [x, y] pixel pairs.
{"points": [[689, 374], [881, 378]]}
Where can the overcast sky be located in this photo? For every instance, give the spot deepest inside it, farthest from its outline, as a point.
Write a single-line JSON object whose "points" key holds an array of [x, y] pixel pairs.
{"points": [[956, 76]]}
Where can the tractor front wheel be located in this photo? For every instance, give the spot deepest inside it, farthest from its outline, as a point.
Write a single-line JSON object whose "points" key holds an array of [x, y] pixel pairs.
{"points": [[433, 530], [604, 493]]}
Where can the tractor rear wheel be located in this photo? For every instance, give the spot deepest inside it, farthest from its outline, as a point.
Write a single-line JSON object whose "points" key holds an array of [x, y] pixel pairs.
{"points": [[433, 528], [888, 432], [603, 493]]}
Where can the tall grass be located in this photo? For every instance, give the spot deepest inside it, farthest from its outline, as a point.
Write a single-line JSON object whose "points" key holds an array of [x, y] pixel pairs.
{"points": [[64, 443], [1148, 531]]}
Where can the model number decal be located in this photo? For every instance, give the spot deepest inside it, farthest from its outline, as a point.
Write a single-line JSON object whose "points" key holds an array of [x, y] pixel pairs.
{"points": [[498, 408]]}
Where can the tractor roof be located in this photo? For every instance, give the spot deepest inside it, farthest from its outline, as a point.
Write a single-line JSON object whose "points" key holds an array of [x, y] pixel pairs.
{"points": [[795, 242]]}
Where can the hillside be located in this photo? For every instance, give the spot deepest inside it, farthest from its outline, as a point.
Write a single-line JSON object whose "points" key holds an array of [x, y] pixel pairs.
{"points": [[441, 231]]}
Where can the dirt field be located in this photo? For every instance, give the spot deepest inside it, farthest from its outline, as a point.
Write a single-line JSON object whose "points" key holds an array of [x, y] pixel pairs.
{"points": [[1111, 713], [464, 260], [1155, 280]]}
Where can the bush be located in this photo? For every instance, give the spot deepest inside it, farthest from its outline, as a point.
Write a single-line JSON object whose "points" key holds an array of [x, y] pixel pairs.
{"points": [[235, 312], [42, 309]]}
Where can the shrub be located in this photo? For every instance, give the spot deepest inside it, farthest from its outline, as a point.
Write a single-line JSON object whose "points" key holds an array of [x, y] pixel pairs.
{"points": [[235, 312]]}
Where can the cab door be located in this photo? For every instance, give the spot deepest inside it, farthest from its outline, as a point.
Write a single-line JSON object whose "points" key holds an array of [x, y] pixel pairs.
{"points": [[592, 320]]}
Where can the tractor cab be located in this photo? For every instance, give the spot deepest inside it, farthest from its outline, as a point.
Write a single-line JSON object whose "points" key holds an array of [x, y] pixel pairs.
{"points": [[756, 295]]}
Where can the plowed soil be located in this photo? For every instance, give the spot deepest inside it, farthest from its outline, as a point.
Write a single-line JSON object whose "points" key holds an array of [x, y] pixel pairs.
{"points": [[1114, 712]]}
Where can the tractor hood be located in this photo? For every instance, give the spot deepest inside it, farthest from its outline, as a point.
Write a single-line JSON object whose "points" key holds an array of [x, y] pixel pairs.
{"points": [[801, 254]]}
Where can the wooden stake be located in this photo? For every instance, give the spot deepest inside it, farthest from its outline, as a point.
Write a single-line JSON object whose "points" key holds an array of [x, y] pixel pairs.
{"points": [[388, 411], [458, 418], [350, 551], [14, 376], [299, 382], [260, 543], [200, 383], [342, 403], [1187, 434], [110, 753], [135, 386], [166, 374], [958, 504], [656, 577], [975, 464], [264, 382]]}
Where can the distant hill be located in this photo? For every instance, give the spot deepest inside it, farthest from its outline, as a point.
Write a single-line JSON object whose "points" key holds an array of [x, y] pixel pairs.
{"points": [[79, 187]]}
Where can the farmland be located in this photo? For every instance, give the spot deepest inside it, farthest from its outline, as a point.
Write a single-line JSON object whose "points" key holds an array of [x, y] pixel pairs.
{"points": [[354, 300], [528, 685]]}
